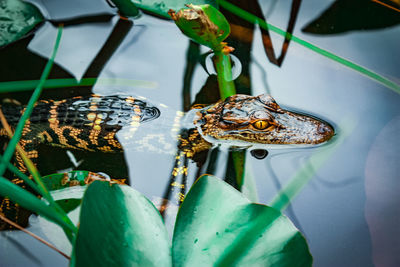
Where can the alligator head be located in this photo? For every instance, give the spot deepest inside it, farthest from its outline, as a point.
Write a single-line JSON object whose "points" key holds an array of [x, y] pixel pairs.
{"points": [[260, 120]]}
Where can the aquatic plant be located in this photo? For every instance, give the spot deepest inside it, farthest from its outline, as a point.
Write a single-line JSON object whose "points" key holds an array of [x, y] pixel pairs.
{"points": [[205, 25]]}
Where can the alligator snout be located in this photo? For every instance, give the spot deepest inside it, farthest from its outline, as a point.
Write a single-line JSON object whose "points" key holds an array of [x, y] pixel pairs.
{"points": [[260, 120]]}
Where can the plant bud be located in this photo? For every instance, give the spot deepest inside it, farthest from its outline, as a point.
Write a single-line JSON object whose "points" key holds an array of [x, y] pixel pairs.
{"points": [[203, 24]]}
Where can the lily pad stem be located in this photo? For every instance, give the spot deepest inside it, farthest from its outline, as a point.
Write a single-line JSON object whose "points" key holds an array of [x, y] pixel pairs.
{"points": [[222, 63]]}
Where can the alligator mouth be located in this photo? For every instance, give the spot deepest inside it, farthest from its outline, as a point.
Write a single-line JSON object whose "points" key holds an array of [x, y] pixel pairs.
{"points": [[303, 129]]}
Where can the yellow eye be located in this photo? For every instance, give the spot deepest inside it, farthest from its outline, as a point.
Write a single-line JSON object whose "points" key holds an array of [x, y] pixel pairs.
{"points": [[260, 125]]}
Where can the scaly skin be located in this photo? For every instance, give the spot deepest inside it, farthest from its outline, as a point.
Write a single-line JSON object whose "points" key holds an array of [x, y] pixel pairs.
{"points": [[91, 123]]}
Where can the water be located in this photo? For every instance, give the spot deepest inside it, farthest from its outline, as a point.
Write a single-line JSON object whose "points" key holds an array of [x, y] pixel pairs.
{"points": [[348, 211]]}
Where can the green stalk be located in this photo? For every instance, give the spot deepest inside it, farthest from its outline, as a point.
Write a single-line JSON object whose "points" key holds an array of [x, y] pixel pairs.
{"points": [[16, 193], [223, 67], [17, 86], [239, 159], [21, 124], [31, 202]]}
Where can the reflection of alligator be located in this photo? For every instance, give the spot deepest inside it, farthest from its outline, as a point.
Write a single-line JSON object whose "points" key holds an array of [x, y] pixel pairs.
{"points": [[91, 123]]}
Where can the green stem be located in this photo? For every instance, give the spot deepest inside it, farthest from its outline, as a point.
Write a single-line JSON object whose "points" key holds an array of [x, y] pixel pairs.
{"points": [[239, 160], [16, 86], [223, 67]]}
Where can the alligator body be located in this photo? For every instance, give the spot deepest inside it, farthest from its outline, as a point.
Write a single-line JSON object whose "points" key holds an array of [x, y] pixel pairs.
{"points": [[91, 123], [86, 123]]}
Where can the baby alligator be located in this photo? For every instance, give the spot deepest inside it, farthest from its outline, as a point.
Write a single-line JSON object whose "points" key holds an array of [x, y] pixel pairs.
{"points": [[91, 123]]}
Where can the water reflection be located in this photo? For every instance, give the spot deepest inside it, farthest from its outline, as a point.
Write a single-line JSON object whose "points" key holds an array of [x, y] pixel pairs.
{"points": [[340, 17], [259, 153], [236, 66]]}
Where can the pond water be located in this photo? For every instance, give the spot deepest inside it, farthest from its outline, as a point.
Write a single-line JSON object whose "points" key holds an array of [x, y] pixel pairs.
{"points": [[348, 209]]}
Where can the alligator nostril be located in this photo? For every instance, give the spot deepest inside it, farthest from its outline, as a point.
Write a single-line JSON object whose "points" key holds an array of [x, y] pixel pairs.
{"points": [[321, 129], [325, 130]]}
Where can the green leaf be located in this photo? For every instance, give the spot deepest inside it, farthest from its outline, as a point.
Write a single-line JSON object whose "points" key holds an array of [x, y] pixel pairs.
{"points": [[27, 85], [119, 227], [17, 18], [217, 226], [161, 7], [126, 7]]}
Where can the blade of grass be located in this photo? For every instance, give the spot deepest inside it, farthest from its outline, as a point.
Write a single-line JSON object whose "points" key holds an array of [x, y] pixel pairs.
{"points": [[16, 86], [36, 176], [31, 202], [14, 192], [21, 124], [263, 24]]}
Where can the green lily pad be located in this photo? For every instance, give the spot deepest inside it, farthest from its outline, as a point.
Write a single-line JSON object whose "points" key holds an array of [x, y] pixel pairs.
{"points": [[17, 18], [119, 227], [217, 226]]}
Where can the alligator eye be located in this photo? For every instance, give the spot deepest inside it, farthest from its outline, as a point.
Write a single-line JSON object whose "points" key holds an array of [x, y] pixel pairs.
{"points": [[260, 125]]}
